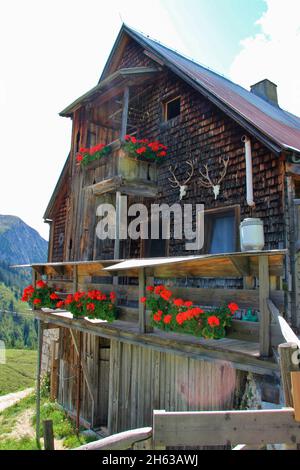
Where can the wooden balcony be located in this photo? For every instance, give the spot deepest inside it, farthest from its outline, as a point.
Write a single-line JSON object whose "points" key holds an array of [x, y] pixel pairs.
{"points": [[118, 172], [248, 345]]}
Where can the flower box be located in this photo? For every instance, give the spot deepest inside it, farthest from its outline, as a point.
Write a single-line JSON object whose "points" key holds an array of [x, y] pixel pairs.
{"points": [[173, 314]]}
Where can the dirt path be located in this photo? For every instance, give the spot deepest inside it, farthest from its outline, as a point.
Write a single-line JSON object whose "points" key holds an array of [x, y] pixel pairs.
{"points": [[12, 398]]}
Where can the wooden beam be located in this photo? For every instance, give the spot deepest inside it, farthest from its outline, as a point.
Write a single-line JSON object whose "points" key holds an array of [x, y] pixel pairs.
{"points": [[264, 293], [117, 222], [125, 113], [286, 331], [207, 428], [84, 369], [48, 434], [295, 378], [121, 441], [242, 265], [287, 364], [142, 305]]}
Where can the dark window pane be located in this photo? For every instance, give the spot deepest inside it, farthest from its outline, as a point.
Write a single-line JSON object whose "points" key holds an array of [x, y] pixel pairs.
{"points": [[223, 235], [173, 109]]}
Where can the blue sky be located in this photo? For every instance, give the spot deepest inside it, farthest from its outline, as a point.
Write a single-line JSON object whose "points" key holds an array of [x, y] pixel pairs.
{"points": [[53, 51]]}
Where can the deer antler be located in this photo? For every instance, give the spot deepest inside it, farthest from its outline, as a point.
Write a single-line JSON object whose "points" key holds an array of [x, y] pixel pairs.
{"points": [[207, 182], [225, 163], [174, 182], [188, 162]]}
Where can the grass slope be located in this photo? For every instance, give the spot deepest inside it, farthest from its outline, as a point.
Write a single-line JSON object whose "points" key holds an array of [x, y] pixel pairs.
{"points": [[63, 428], [19, 371]]}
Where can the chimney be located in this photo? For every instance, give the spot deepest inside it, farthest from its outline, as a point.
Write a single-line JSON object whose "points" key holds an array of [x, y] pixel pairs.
{"points": [[266, 90]]}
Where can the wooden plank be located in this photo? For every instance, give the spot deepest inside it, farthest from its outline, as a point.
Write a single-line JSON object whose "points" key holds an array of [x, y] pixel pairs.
{"points": [[48, 434], [121, 441], [295, 378], [225, 427], [287, 364], [125, 113], [142, 305], [287, 332], [264, 290], [84, 369], [242, 265]]}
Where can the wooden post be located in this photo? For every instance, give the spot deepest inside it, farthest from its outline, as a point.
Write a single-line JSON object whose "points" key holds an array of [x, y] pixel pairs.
{"points": [[287, 365], [78, 391], [38, 381], [117, 234], [264, 291], [295, 379], [48, 434], [75, 278], [142, 306], [54, 371], [125, 113]]}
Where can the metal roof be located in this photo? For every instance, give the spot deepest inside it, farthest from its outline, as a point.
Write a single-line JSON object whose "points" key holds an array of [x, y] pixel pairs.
{"points": [[279, 125]]}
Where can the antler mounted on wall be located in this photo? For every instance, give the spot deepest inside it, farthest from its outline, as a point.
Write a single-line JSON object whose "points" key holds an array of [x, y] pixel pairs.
{"points": [[175, 183], [206, 182]]}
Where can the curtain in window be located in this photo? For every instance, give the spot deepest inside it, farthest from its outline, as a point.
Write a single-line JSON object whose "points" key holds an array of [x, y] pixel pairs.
{"points": [[223, 235]]}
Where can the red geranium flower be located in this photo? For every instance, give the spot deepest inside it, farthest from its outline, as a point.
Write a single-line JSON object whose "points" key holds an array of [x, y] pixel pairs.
{"points": [[162, 154], [143, 299], [54, 296], [150, 288], [213, 321], [60, 304], [157, 315], [233, 307], [158, 289], [188, 303], [112, 296], [79, 158], [167, 319], [90, 306], [37, 301], [166, 294], [178, 302], [141, 150], [40, 284]]}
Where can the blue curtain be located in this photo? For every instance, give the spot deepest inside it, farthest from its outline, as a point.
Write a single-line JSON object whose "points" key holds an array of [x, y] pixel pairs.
{"points": [[223, 235]]}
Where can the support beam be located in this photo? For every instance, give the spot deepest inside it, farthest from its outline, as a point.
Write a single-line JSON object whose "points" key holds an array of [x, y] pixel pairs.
{"points": [[142, 306], [125, 113], [287, 353], [84, 370], [264, 292], [38, 381], [118, 221], [295, 379]]}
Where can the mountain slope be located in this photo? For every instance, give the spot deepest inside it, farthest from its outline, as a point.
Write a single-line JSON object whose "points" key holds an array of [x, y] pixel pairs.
{"points": [[19, 243]]}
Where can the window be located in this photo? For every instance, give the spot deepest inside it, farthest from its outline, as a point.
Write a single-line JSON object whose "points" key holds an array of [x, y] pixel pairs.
{"points": [[221, 231], [171, 109]]}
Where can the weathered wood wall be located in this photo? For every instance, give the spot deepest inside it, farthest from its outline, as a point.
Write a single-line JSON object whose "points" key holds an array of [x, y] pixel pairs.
{"points": [[95, 354], [142, 379], [131, 381]]}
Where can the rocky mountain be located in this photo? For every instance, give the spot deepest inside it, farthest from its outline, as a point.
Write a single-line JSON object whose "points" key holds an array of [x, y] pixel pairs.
{"points": [[20, 243]]}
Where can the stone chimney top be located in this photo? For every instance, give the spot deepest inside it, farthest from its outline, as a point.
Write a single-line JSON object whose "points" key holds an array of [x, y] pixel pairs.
{"points": [[267, 90]]}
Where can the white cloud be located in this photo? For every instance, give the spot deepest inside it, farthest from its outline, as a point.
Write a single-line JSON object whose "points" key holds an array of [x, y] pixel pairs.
{"points": [[273, 53]]}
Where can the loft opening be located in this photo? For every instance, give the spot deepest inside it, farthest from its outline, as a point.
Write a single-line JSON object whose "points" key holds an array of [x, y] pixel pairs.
{"points": [[171, 108]]}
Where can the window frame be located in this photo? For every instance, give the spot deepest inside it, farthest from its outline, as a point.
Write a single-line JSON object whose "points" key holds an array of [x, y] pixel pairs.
{"points": [[214, 213], [165, 108]]}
